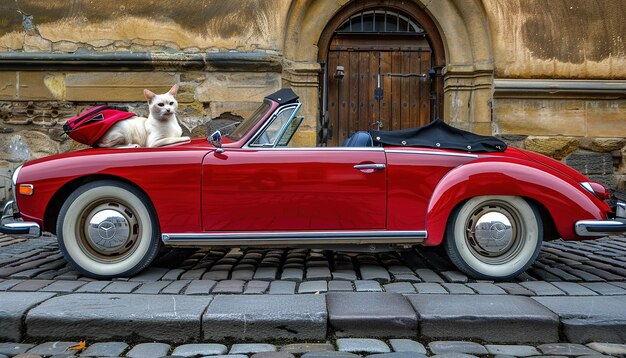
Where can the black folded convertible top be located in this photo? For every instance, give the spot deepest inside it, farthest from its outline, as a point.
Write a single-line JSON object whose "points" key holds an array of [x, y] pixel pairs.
{"points": [[438, 134]]}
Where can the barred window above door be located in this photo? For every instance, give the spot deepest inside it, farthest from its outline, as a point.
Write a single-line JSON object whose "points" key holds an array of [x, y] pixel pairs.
{"points": [[380, 21]]}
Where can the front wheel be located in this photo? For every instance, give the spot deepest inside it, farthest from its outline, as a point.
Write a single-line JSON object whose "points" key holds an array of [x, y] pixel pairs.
{"points": [[108, 229], [494, 237]]}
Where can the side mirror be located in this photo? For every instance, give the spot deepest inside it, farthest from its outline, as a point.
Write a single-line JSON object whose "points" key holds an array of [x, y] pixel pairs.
{"points": [[215, 140]]}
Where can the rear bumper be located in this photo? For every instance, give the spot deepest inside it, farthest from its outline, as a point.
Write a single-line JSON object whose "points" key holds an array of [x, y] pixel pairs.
{"points": [[604, 227], [10, 226]]}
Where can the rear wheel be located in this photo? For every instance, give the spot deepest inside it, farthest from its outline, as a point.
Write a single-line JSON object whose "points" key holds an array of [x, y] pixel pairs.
{"points": [[108, 229], [494, 237]]}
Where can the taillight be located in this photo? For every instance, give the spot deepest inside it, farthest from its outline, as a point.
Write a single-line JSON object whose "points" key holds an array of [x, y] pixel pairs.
{"points": [[597, 189]]}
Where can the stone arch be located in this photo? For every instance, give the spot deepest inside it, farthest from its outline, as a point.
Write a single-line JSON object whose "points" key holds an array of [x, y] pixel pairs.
{"points": [[468, 72]]}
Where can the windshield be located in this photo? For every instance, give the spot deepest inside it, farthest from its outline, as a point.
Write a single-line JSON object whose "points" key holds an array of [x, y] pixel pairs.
{"points": [[281, 128], [249, 123]]}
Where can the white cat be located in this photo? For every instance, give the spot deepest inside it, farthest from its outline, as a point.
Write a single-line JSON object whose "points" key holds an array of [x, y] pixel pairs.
{"points": [[159, 129]]}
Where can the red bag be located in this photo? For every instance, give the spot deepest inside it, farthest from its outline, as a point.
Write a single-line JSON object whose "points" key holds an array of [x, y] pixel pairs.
{"points": [[91, 124]]}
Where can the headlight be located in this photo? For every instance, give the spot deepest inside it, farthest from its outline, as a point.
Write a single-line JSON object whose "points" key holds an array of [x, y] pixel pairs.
{"points": [[15, 175]]}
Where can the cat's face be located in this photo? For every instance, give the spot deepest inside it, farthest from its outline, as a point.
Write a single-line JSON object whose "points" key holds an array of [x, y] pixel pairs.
{"points": [[162, 106]]}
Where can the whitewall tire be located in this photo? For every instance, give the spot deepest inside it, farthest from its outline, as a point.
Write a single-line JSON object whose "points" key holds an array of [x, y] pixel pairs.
{"points": [[108, 229], [494, 237]]}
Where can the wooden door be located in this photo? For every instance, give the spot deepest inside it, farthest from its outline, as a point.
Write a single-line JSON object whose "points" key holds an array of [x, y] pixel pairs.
{"points": [[385, 84]]}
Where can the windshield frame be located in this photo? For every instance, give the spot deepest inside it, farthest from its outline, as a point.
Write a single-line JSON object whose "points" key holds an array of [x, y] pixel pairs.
{"points": [[247, 126], [294, 108]]}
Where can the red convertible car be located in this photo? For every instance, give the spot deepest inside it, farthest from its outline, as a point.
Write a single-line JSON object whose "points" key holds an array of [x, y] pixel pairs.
{"points": [[489, 205]]}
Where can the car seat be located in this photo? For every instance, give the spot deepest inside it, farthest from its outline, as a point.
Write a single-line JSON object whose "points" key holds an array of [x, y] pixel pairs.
{"points": [[358, 139]]}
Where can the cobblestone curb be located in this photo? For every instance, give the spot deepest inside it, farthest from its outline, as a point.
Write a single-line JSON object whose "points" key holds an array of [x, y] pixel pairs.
{"points": [[181, 318]]}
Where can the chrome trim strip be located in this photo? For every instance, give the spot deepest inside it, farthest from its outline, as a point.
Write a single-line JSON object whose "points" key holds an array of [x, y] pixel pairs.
{"points": [[298, 237], [323, 149], [16, 174], [600, 227], [361, 149], [426, 152], [587, 186]]}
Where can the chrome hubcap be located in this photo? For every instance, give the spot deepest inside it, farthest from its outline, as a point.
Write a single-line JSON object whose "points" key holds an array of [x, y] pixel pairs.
{"points": [[109, 231], [493, 232]]}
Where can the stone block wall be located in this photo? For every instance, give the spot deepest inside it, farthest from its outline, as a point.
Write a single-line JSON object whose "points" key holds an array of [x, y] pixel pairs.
{"points": [[580, 123], [48, 98]]}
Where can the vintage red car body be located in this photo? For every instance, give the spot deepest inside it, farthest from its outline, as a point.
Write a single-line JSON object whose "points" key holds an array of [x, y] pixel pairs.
{"points": [[242, 195], [190, 195]]}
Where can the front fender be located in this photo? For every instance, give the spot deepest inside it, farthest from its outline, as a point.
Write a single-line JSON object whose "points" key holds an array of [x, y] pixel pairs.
{"points": [[564, 198], [169, 176]]}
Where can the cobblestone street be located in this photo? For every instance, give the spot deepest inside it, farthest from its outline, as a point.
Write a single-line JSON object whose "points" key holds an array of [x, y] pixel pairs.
{"points": [[596, 267], [313, 303]]}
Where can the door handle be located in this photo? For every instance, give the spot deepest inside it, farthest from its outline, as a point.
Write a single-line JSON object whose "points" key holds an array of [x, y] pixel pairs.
{"points": [[370, 167]]}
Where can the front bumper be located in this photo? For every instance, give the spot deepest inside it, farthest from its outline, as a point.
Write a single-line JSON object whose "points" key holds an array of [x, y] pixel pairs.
{"points": [[604, 227], [10, 226]]}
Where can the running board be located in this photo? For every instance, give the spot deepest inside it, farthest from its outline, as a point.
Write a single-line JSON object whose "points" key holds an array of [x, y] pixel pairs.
{"points": [[298, 238]]}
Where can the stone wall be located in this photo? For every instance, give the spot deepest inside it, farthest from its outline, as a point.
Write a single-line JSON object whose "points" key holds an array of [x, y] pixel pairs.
{"points": [[43, 107], [585, 130], [31, 122]]}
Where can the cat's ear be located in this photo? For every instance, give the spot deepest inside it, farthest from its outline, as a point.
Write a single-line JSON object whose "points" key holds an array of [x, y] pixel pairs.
{"points": [[149, 94], [173, 90]]}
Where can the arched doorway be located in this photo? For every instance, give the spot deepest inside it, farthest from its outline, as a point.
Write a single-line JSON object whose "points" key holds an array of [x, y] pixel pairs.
{"points": [[381, 69]]}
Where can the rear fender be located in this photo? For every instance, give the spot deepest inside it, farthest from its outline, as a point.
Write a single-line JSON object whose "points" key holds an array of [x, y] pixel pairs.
{"points": [[565, 199]]}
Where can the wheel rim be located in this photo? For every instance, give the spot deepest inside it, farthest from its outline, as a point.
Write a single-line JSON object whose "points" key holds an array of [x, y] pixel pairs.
{"points": [[108, 231], [494, 232]]}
